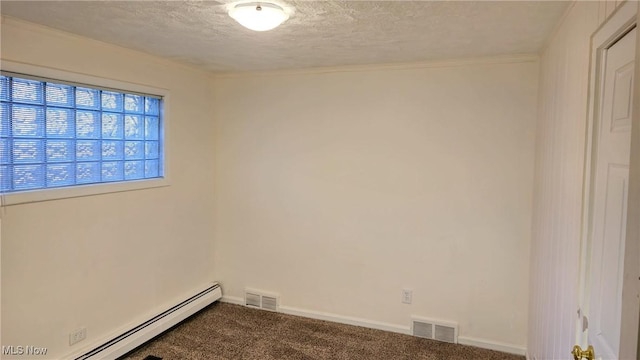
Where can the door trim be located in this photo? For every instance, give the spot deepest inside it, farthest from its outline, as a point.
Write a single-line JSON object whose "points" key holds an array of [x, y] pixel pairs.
{"points": [[629, 340], [619, 24]]}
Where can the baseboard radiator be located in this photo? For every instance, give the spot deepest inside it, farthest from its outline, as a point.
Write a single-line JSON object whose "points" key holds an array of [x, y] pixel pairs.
{"points": [[138, 335]]}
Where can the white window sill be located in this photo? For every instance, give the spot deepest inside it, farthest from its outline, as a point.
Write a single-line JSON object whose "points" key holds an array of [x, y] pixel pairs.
{"points": [[25, 197]]}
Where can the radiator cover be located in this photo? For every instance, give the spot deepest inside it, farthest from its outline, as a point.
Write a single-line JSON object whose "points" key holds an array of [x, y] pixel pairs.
{"points": [[119, 345]]}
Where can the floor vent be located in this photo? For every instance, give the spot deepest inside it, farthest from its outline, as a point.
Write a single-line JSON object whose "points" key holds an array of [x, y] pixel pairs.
{"points": [[423, 329], [435, 330], [251, 299], [270, 303], [261, 300], [445, 333]]}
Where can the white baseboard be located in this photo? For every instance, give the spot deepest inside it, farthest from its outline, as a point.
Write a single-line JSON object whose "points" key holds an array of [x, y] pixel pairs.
{"points": [[345, 320], [492, 345], [480, 343], [232, 300], [318, 315]]}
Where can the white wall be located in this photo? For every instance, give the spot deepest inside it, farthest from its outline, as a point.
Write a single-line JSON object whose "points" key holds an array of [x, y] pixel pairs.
{"points": [[104, 261], [336, 189], [560, 151]]}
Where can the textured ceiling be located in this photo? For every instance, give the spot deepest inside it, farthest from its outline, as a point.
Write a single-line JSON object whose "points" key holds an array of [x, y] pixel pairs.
{"points": [[319, 33]]}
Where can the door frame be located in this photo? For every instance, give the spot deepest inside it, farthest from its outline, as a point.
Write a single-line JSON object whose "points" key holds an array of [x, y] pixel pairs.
{"points": [[623, 20], [629, 341]]}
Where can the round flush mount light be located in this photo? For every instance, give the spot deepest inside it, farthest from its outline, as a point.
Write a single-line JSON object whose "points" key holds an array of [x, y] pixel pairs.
{"points": [[258, 16]]}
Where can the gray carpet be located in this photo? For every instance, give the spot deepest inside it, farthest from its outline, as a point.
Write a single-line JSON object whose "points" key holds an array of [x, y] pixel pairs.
{"points": [[225, 331]]}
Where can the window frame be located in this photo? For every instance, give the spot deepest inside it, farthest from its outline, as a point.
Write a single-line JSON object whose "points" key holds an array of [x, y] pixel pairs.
{"points": [[62, 76]]}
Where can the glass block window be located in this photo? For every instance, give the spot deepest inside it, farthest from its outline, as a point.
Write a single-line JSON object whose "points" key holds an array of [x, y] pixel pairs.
{"points": [[56, 134]]}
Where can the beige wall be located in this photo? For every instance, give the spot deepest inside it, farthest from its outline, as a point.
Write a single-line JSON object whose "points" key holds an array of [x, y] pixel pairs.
{"points": [[338, 189], [334, 189], [104, 261], [560, 157]]}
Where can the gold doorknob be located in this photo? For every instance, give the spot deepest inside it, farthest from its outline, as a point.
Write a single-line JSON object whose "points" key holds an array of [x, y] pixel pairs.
{"points": [[579, 354]]}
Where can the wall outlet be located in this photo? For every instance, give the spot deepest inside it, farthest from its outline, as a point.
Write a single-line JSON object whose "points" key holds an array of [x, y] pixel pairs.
{"points": [[407, 296], [77, 336]]}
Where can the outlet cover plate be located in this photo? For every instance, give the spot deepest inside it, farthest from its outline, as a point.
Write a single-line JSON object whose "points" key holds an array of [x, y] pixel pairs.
{"points": [[77, 336], [407, 296]]}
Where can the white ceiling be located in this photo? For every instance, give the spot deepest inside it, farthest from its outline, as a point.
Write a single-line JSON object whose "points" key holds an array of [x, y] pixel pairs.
{"points": [[319, 33]]}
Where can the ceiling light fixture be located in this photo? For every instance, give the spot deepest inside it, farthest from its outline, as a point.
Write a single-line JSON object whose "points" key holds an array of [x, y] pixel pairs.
{"points": [[258, 16]]}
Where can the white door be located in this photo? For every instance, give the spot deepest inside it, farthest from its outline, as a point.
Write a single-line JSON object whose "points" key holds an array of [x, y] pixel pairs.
{"points": [[610, 183]]}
